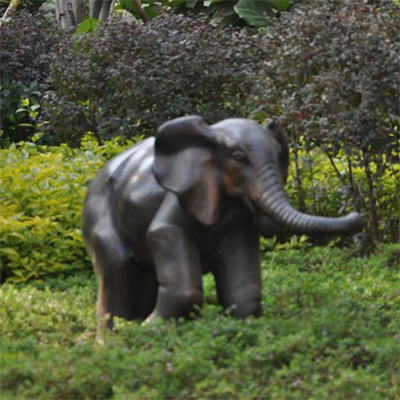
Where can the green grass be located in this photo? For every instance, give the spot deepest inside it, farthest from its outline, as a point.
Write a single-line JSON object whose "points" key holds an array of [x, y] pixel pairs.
{"points": [[329, 330]]}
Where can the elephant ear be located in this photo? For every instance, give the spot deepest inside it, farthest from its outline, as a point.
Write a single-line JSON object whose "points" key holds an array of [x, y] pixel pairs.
{"points": [[184, 164], [274, 129]]}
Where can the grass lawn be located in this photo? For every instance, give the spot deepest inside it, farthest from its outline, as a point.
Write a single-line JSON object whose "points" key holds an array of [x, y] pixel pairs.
{"points": [[329, 330]]}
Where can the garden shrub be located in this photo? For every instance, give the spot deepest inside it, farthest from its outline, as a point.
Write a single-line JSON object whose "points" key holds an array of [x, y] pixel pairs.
{"points": [[332, 75], [128, 78], [25, 53], [41, 197]]}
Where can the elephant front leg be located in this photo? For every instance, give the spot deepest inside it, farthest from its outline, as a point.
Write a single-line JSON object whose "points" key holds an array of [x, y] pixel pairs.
{"points": [[177, 262], [238, 273]]}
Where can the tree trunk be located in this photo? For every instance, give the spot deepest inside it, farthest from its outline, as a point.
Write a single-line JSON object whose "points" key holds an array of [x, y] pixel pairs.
{"points": [[100, 9], [62, 15], [105, 10], [95, 8], [70, 13], [79, 10]]}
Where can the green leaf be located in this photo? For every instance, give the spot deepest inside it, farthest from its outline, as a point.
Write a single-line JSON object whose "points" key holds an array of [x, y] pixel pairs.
{"points": [[191, 3], [87, 25], [11, 253], [256, 13], [280, 5], [26, 125]]}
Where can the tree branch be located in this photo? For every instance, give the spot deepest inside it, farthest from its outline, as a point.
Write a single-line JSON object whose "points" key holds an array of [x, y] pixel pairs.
{"points": [[140, 10], [12, 7]]}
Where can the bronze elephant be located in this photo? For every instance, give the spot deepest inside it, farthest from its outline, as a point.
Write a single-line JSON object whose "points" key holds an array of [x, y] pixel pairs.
{"points": [[186, 202]]}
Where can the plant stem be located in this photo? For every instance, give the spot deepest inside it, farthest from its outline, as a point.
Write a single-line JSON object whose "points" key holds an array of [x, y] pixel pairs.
{"points": [[300, 194], [372, 200]]}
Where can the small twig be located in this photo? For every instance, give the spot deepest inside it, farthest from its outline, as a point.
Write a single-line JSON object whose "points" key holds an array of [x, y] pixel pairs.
{"points": [[335, 167]]}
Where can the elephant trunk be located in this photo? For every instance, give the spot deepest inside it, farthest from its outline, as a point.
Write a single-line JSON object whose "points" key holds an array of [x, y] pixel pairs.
{"points": [[273, 201]]}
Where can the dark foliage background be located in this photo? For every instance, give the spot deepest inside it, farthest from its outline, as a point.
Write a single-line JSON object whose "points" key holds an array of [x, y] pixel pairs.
{"points": [[329, 73], [129, 78], [332, 75], [25, 53]]}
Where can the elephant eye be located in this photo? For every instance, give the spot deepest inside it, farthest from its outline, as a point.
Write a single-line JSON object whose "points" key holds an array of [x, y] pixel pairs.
{"points": [[239, 156]]}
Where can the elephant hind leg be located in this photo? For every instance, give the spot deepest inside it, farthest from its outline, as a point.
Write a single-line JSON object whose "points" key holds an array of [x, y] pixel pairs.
{"points": [[127, 287]]}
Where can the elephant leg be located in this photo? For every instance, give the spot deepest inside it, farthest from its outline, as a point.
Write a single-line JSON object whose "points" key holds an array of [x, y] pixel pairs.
{"points": [[237, 272], [127, 288], [177, 261], [128, 291]]}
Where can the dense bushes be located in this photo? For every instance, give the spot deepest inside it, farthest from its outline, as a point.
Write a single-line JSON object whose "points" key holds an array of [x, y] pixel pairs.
{"points": [[25, 53], [329, 330], [332, 75], [41, 197], [128, 78], [329, 72]]}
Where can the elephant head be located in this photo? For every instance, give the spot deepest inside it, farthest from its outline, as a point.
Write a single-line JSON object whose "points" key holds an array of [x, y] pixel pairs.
{"points": [[236, 158]]}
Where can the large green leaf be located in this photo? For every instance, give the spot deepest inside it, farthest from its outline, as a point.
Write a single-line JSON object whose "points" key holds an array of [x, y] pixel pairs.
{"points": [[280, 5], [259, 13], [255, 13], [87, 25], [223, 12]]}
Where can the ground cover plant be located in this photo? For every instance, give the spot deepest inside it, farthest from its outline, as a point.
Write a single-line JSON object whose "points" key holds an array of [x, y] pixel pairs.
{"points": [[329, 330]]}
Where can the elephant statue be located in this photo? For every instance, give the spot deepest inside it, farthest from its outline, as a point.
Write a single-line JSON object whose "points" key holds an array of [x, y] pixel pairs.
{"points": [[187, 202]]}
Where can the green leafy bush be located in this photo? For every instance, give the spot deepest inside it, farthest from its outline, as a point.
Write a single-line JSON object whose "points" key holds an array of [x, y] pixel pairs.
{"points": [[41, 197], [329, 330], [25, 53], [128, 78], [332, 75]]}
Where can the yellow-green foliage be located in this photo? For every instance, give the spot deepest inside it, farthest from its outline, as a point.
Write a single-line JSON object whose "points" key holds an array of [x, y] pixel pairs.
{"points": [[41, 196], [326, 193], [42, 190]]}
